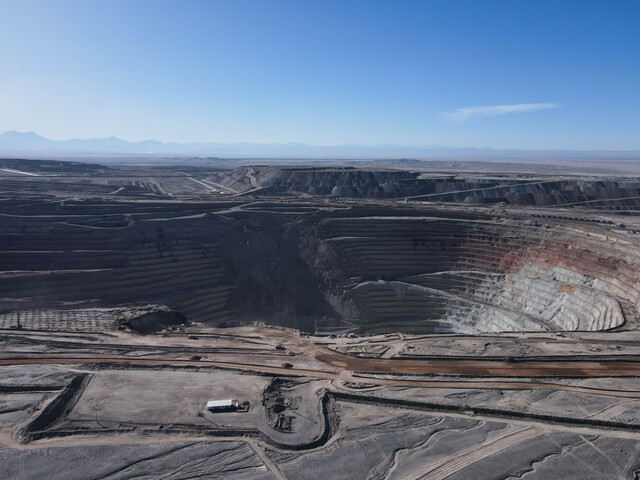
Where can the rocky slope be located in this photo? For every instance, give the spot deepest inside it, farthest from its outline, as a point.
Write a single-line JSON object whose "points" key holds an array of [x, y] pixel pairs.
{"points": [[370, 269], [469, 188]]}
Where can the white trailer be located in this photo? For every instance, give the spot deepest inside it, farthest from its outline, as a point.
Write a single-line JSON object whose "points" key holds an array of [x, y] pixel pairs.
{"points": [[222, 405]]}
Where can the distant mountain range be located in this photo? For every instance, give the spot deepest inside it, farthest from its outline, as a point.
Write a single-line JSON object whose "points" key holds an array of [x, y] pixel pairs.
{"points": [[30, 143]]}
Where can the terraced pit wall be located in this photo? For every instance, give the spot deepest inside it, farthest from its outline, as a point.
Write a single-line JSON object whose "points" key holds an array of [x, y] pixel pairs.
{"points": [[371, 270], [434, 274]]}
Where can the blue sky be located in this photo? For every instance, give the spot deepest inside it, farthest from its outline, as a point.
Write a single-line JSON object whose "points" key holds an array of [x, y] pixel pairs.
{"points": [[509, 74]]}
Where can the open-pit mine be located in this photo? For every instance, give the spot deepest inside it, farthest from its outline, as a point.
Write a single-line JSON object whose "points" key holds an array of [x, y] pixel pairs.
{"points": [[210, 318]]}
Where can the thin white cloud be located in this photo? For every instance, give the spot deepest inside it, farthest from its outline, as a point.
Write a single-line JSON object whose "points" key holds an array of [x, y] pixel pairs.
{"points": [[468, 113]]}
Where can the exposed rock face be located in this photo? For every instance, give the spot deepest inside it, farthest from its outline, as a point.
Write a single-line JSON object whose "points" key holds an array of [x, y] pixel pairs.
{"points": [[373, 269], [460, 275], [338, 181], [470, 189]]}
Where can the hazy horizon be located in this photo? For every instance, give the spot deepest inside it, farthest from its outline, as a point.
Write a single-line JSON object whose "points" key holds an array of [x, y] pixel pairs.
{"points": [[25, 143]]}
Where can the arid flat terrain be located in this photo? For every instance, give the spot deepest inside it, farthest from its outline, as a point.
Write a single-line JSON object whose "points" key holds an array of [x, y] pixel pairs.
{"points": [[393, 320]]}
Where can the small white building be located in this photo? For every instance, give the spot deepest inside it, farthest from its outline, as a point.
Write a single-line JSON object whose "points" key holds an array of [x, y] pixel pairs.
{"points": [[222, 405]]}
